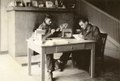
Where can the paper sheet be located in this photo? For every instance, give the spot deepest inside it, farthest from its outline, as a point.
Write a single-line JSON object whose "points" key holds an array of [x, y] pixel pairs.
{"points": [[77, 36], [56, 42]]}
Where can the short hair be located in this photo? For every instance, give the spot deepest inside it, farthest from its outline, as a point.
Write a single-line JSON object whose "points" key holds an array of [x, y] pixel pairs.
{"points": [[48, 16], [83, 20]]}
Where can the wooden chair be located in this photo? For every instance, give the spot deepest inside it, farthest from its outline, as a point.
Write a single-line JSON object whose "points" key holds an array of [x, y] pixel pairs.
{"points": [[99, 56], [102, 48]]}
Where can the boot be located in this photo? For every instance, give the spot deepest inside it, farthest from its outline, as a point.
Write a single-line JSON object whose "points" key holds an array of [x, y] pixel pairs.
{"points": [[50, 76], [60, 65]]}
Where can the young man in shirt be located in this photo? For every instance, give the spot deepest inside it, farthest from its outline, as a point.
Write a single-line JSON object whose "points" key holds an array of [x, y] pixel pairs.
{"points": [[49, 31], [86, 31]]}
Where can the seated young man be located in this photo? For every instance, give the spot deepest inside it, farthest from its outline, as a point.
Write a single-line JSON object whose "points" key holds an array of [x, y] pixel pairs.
{"points": [[86, 31], [60, 63], [49, 31]]}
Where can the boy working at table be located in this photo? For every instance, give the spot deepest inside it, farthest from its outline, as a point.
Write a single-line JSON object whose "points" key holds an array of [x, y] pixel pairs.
{"points": [[50, 31], [86, 31]]}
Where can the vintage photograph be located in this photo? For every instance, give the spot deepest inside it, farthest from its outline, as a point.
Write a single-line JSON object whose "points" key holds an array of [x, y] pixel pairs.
{"points": [[59, 40]]}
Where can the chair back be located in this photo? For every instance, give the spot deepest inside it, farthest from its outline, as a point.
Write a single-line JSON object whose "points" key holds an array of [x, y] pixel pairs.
{"points": [[103, 41]]}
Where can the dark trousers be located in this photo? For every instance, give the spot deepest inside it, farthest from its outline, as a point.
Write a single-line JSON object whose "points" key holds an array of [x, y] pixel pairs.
{"points": [[50, 62], [65, 57], [81, 58]]}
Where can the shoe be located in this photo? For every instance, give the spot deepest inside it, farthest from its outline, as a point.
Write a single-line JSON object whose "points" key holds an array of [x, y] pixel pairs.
{"points": [[59, 65], [50, 76]]}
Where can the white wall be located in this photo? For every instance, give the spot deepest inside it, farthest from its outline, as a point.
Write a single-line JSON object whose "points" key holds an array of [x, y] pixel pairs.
{"points": [[112, 50], [4, 29], [0, 24], [106, 23]]}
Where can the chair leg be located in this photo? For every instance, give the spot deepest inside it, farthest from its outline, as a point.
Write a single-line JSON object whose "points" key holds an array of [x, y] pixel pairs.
{"points": [[103, 68], [100, 66], [73, 62]]}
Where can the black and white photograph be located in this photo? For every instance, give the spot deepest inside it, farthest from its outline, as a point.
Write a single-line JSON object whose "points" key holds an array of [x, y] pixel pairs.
{"points": [[59, 40]]}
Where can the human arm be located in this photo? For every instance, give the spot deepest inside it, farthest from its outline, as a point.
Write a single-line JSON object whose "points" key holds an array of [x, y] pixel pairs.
{"points": [[92, 34], [96, 33], [49, 33], [62, 26]]}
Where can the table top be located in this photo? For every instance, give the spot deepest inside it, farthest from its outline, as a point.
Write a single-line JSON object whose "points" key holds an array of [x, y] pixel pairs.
{"points": [[59, 41]]}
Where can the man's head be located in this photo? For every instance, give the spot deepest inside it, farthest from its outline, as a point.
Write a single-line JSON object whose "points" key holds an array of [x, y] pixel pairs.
{"points": [[48, 20], [83, 23]]}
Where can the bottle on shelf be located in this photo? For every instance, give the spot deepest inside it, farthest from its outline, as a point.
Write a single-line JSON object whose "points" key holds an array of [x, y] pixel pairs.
{"points": [[49, 4], [56, 3]]}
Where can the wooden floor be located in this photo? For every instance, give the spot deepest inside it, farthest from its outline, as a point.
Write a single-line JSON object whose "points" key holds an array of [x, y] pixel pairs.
{"points": [[70, 73], [10, 70]]}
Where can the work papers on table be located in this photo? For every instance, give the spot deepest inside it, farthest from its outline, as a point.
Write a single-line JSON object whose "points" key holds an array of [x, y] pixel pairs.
{"points": [[78, 36], [56, 42]]}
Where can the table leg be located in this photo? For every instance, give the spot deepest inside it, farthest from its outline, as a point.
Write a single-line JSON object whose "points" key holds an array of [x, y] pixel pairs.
{"points": [[29, 61], [92, 60], [42, 65]]}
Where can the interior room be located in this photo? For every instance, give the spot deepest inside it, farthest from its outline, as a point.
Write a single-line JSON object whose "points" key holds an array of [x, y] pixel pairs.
{"points": [[23, 52]]}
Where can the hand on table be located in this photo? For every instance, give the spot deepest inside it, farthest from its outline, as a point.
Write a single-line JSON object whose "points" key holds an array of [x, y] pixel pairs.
{"points": [[81, 36], [52, 31]]}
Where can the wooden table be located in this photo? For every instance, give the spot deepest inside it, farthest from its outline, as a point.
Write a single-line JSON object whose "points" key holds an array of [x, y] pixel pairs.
{"points": [[72, 45]]}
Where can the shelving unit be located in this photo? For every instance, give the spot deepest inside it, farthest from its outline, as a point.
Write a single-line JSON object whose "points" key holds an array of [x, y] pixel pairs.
{"points": [[36, 9], [22, 21]]}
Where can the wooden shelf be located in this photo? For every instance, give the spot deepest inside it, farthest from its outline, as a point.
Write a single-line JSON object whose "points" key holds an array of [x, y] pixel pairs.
{"points": [[22, 21], [35, 9]]}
